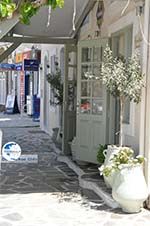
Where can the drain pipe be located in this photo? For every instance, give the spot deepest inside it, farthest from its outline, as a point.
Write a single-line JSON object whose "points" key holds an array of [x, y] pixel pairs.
{"points": [[145, 110]]}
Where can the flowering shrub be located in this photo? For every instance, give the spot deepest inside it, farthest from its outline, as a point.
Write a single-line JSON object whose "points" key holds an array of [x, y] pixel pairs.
{"points": [[26, 9], [119, 160]]}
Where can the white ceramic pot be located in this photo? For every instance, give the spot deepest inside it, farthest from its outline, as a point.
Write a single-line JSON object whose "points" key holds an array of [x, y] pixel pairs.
{"points": [[130, 189], [109, 153]]}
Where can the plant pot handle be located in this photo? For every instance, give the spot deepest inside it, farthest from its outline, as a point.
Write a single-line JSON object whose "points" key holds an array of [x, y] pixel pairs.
{"points": [[105, 153]]}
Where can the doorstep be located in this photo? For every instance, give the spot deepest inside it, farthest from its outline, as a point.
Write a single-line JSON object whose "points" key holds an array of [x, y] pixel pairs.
{"points": [[90, 179]]}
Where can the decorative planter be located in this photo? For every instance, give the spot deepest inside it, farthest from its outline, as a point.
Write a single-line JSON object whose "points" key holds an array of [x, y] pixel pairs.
{"points": [[130, 189], [109, 153]]}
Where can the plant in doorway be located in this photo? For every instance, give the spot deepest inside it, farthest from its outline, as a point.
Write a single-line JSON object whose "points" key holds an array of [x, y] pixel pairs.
{"points": [[124, 80], [55, 81]]}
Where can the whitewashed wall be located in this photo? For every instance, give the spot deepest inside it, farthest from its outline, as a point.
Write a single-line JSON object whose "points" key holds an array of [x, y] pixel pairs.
{"points": [[2, 88], [114, 21], [50, 114]]}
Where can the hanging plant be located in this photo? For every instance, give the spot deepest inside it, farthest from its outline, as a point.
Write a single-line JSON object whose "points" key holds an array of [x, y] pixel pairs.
{"points": [[26, 8], [7, 7]]}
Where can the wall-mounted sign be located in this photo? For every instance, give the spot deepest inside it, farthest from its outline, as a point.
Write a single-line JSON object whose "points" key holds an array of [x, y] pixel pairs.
{"points": [[26, 55], [31, 65], [18, 67], [100, 14], [6, 66], [19, 57]]}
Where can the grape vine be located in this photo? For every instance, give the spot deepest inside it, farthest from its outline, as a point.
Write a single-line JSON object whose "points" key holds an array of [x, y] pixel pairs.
{"points": [[26, 9]]}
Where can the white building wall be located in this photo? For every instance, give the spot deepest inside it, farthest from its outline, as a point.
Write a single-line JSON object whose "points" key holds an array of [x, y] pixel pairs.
{"points": [[2, 88], [50, 114]]}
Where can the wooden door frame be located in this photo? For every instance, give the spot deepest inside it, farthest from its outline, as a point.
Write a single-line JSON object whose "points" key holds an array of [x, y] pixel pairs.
{"points": [[67, 49]]}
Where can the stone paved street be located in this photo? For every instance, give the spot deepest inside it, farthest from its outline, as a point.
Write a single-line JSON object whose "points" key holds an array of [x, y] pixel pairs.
{"points": [[48, 193]]}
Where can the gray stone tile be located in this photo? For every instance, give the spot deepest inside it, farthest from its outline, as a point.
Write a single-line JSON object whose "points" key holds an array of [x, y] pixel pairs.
{"points": [[13, 217]]}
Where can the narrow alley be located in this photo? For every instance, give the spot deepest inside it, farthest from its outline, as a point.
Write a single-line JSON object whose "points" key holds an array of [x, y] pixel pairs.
{"points": [[47, 193]]}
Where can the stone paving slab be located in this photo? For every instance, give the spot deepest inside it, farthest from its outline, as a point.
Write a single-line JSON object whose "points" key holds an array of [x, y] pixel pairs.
{"points": [[48, 193]]}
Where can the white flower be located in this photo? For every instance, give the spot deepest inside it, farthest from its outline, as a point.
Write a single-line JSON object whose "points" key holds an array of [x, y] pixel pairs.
{"points": [[101, 168]]}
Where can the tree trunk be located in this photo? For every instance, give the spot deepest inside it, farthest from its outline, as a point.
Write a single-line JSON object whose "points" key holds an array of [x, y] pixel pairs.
{"points": [[121, 121]]}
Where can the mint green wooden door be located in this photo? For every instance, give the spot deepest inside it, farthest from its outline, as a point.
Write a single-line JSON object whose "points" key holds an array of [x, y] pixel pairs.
{"points": [[92, 101], [69, 98]]}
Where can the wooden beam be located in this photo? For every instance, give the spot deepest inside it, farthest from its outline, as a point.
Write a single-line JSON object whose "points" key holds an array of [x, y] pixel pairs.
{"points": [[8, 51], [7, 24], [82, 16], [39, 40]]}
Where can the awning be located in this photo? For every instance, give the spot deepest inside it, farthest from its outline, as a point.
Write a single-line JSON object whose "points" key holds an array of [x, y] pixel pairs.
{"points": [[7, 67], [60, 22]]}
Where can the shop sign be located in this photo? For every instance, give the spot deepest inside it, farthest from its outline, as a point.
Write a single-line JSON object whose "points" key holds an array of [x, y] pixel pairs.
{"points": [[31, 65], [26, 55], [18, 67], [6, 66], [10, 102], [19, 57]]}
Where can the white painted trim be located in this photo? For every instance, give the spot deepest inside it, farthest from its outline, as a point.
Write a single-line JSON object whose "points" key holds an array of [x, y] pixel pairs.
{"points": [[121, 23]]}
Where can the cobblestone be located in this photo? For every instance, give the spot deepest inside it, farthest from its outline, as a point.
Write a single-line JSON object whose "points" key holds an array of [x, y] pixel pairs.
{"points": [[48, 193]]}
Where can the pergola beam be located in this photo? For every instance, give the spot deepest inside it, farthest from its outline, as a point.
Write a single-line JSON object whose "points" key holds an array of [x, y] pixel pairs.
{"points": [[8, 51], [7, 24], [82, 16], [38, 40]]}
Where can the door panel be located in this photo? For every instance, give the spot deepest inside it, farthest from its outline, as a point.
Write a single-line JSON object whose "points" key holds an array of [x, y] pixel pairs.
{"points": [[91, 100], [84, 134]]}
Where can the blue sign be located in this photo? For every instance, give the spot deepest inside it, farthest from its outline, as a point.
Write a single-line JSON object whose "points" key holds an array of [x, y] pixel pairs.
{"points": [[18, 67], [6, 66], [31, 65]]}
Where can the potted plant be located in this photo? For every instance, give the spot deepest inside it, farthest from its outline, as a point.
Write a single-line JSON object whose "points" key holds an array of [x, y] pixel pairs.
{"points": [[101, 153], [56, 83], [129, 187], [123, 80]]}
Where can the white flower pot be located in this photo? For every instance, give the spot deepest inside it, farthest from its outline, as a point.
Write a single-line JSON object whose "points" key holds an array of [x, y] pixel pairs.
{"points": [[130, 189], [109, 153]]}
